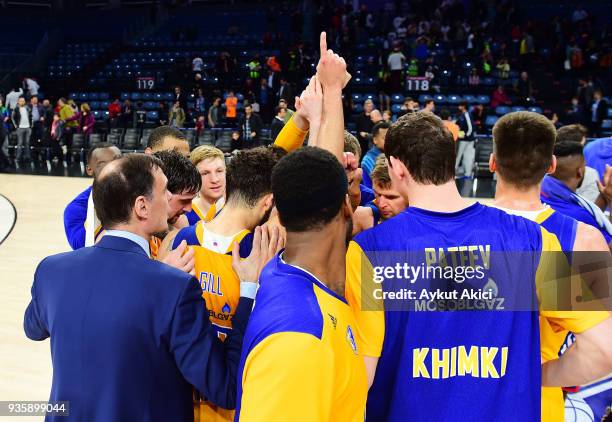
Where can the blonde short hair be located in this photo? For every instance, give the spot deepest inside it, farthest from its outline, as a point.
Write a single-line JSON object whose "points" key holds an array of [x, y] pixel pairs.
{"points": [[380, 173], [205, 152], [351, 144]]}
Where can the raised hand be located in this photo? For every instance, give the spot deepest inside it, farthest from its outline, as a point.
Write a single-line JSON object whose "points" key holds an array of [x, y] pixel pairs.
{"points": [[331, 70], [605, 188], [309, 107], [266, 243]]}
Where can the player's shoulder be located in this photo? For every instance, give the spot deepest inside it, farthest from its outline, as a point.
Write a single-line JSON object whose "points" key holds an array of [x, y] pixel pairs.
{"points": [[286, 302], [516, 230], [188, 234]]}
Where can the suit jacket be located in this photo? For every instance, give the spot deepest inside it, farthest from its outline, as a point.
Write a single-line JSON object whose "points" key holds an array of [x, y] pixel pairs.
{"points": [[130, 336], [275, 128], [285, 92], [602, 111]]}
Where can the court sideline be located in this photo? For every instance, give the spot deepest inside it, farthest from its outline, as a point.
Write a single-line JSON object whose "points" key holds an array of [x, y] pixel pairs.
{"points": [[25, 365]]}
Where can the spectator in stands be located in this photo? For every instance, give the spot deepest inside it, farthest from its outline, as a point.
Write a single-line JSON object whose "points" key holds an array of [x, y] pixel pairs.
{"points": [[387, 116], [254, 68], [376, 116], [559, 189], [278, 122], [409, 106], [579, 14], [396, 62], [474, 79], [285, 92], [479, 117], [503, 68], [4, 119], [38, 121], [465, 150], [176, 117], [13, 97], [231, 107], [430, 106], [250, 126], [585, 92], [225, 68], [524, 88], [31, 87], [236, 141], [85, 120], [499, 97], [198, 84], [162, 114], [264, 98], [65, 113], [199, 125], [450, 125], [127, 115], [73, 105], [598, 112], [575, 113], [196, 64], [22, 121], [526, 50], [364, 125], [200, 103], [379, 131], [114, 113], [577, 133], [214, 113], [180, 97], [55, 134], [289, 112], [48, 113]]}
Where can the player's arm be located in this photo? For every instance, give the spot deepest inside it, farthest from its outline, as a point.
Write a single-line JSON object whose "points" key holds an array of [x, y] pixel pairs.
{"points": [[75, 215], [354, 186], [292, 135], [287, 376], [592, 260], [589, 358], [331, 73], [361, 217], [367, 309]]}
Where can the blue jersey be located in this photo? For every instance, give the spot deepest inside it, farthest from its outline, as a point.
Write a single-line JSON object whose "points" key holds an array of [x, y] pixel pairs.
{"points": [[367, 194], [442, 365], [75, 215]]}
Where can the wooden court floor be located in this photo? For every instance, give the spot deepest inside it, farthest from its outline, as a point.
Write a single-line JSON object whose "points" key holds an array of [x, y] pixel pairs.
{"points": [[25, 365]]}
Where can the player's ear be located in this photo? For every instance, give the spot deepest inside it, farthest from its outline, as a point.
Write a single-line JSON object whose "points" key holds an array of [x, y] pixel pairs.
{"points": [[553, 165], [268, 201], [89, 170], [347, 209], [492, 163], [148, 150]]}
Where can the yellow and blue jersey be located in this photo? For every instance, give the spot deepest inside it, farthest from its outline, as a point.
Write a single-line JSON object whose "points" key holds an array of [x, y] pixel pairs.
{"points": [[555, 334], [196, 214], [481, 363], [300, 359], [220, 289]]}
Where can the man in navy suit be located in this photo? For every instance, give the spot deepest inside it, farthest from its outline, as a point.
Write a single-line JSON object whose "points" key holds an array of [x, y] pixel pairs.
{"points": [[130, 336]]}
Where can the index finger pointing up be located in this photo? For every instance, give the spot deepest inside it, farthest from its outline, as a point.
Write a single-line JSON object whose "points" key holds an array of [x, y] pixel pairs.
{"points": [[323, 44]]}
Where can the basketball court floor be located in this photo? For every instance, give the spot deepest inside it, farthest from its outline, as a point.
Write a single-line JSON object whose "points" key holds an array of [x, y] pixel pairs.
{"points": [[32, 206]]}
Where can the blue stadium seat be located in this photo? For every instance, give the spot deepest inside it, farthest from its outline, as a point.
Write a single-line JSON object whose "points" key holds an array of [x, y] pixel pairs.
{"points": [[94, 96], [470, 99], [483, 99], [150, 105], [94, 105], [424, 97], [369, 97], [358, 98], [152, 115], [610, 112], [501, 110], [488, 81], [396, 108], [124, 96], [136, 96], [397, 98], [490, 121], [517, 108], [454, 99], [440, 99], [358, 108], [168, 96], [535, 109]]}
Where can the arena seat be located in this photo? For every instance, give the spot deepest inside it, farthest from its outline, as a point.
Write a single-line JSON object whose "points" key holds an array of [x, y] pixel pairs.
{"points": [[501, 110], [517, 108], [490, 121]]}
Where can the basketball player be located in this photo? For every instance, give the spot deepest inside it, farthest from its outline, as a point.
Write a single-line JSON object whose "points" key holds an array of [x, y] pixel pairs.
{"points": [[300, 360], [523, 154], [387, 203], [167, 138], [210, 162], [80, 222], [249, 203], [475, 364]]}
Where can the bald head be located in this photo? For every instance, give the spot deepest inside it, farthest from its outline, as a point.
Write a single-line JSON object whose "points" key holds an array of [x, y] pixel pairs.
{"points": [[570, 164]]}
